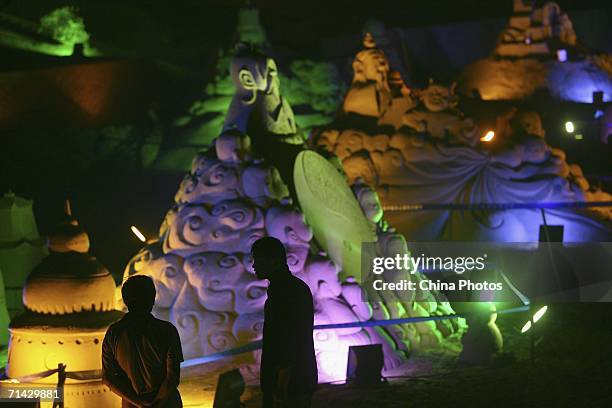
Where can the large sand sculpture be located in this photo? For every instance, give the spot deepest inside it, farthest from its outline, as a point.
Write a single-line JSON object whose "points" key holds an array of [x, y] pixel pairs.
{"points": [[539, 50], [415, 147], [232, 196]]}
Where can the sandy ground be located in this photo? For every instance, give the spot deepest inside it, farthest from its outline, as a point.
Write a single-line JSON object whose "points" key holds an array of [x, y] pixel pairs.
{"points": [[571, 367]]}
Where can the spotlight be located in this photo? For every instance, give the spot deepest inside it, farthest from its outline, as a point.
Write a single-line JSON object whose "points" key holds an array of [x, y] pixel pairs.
{"points": [[365, 364], [569, 127], [490, 135], [536, 316], [561, 55], [526, 327], [229, 389], [138, 234]]}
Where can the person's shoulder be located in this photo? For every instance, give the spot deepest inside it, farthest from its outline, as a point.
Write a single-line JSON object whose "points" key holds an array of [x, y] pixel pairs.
{"points": [[118, 325], [164, 325], [301, 286], [116, 328]]}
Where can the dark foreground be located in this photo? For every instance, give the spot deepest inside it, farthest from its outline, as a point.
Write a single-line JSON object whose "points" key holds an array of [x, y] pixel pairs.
{"points": [[572, 368]]}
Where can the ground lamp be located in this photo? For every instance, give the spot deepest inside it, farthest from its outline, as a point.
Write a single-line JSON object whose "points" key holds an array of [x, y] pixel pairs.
{"points": [[365, 364], [138, 234], [489, 136], [536, 316], [562, 55], [229, 389]]}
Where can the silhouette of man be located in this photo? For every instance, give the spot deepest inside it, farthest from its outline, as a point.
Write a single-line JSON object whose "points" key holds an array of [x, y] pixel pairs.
{"points": [[288, 373], [141, 355]]}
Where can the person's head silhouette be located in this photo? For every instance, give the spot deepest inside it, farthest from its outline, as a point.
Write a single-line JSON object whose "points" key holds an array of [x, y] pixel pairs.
{"points": [[138, 294], [270, 258]]}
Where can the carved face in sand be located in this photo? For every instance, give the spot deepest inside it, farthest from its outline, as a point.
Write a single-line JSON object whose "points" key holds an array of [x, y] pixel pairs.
{"points": [[289, 226], [253, 72], [322, 277], [371, 65], [438, 98]]}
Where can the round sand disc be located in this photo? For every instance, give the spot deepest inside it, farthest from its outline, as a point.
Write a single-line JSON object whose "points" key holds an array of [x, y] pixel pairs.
{"points": [[332, 211]]}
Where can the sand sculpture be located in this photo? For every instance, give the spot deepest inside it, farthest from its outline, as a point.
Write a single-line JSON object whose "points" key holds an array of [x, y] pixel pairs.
{"points": [[314, 86], [21, 248], [417, 147], [258, 97], [538, 50], [231, 196], [70, 302]]}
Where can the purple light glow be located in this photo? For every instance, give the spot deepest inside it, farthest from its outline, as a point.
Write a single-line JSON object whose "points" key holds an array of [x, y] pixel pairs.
{"points": [[576, 81]]}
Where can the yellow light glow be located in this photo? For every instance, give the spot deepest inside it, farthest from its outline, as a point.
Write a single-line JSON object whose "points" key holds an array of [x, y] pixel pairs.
{"points": [[569, 127], [138, 234], [526, 327], [488, 136], [538, 315], [578, 137]]}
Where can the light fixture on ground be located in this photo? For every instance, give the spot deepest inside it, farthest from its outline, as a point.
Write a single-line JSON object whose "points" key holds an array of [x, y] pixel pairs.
{"points": [[229, 389], [138, 234], [538, 315], [535, 318], [365, 364], [561, 55], [489, 136], [569, 127], [526, 327]]}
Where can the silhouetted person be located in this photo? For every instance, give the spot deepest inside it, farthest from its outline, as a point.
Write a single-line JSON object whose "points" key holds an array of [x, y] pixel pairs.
{"points": [[141, 355], [288, 366]]}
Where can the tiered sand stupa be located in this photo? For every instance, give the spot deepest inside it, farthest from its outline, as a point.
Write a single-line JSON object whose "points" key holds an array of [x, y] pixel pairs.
{"points": [[70, 302]]}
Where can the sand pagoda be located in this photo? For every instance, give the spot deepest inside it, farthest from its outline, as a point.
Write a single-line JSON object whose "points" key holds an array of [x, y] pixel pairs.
{"points": [[70, 302]]}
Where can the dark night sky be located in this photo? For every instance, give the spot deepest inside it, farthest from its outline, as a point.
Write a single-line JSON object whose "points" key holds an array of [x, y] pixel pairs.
{"points": [[188, 32]]}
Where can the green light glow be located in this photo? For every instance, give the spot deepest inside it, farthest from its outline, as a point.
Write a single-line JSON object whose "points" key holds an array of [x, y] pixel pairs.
{"points": [[538, 315], [526, 327], [65, 26]]}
